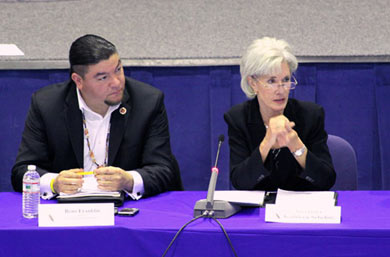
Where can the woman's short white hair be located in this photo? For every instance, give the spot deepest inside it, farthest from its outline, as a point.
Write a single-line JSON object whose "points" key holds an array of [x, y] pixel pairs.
{"points": [[264, 57]]}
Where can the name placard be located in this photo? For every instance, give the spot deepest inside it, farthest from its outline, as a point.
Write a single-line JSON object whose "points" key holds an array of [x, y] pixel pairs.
{"points": [[329, 215], [75, 215]]}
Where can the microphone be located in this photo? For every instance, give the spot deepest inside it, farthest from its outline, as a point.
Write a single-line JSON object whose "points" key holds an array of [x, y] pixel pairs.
{"points": [[214, 176], [215, 208]]}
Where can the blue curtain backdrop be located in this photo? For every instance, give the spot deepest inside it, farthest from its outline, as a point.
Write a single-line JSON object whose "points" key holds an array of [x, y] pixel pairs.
{"points": [[356, 98]]}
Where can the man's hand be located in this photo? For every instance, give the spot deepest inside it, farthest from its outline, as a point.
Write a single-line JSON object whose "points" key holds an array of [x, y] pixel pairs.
{"points": [[68, 181], [113, 179]]}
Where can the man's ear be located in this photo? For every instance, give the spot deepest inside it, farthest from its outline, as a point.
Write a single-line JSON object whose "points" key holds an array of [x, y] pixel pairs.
{"points": [[77, 79]]}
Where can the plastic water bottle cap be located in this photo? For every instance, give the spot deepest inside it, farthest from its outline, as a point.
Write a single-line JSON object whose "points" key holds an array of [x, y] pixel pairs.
{"points": [[31, 167]]}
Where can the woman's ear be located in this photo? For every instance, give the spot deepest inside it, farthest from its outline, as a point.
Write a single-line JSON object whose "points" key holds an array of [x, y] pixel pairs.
{"points": [[251, 82]]}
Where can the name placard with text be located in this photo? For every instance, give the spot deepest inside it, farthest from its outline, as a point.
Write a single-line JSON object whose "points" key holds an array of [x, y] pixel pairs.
{"points": [[75, 215]]}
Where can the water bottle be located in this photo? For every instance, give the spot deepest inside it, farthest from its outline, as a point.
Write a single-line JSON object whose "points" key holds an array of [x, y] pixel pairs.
{"points": [[31, 192]]}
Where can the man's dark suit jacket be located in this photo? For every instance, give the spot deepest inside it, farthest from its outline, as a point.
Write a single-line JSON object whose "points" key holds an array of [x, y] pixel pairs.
{"points": [[280, 170], [139, 139]]}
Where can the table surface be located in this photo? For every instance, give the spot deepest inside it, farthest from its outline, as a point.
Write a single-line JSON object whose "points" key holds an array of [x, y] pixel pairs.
{"points": [[364, 230]]}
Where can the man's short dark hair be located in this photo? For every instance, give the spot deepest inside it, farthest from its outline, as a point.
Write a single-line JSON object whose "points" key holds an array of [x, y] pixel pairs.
{"points": [[87, 50]]}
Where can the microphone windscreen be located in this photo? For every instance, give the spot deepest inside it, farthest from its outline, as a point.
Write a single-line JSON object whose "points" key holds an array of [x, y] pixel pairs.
{"points": [[221, 138]]}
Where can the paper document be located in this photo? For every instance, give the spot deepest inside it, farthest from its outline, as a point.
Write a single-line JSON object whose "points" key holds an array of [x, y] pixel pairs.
{"points": [[304, 207], [244, 198], [10, 50], [305, 198], [90, 187]]}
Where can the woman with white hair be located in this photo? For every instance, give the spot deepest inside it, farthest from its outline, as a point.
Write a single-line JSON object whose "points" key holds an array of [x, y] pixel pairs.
{"points": [[276, 142]]}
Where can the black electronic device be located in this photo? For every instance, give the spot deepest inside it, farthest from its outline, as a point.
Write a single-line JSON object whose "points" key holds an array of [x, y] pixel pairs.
{"points": [[127, 211]]}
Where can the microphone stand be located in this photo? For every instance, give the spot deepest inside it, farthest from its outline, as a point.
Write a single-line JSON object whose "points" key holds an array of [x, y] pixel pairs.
{"points": [[209, 207]]}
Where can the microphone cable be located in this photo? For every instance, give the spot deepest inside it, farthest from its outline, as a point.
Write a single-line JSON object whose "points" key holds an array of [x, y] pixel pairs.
{"points": [[180, 230], [226, 235], [205, 215]]}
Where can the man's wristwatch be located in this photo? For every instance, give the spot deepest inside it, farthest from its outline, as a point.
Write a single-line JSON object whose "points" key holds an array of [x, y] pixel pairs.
{"points": [[299, 152]]}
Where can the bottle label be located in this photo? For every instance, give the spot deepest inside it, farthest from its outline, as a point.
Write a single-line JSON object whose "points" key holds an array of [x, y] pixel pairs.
{"points": [[30, 187]]}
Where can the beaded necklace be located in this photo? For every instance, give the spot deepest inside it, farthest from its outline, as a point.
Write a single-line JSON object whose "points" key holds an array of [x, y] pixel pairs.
{"points": [[90, 153]]}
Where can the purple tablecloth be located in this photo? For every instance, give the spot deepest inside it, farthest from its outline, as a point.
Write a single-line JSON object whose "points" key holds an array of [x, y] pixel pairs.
{"points": [[364, 231]]}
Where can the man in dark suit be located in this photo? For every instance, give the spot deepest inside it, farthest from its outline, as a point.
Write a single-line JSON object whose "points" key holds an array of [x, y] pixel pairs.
{"points": [[98, 121]]}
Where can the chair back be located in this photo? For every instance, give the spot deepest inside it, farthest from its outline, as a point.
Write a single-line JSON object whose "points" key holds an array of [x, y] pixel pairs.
{"points": [[344, 162]]}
